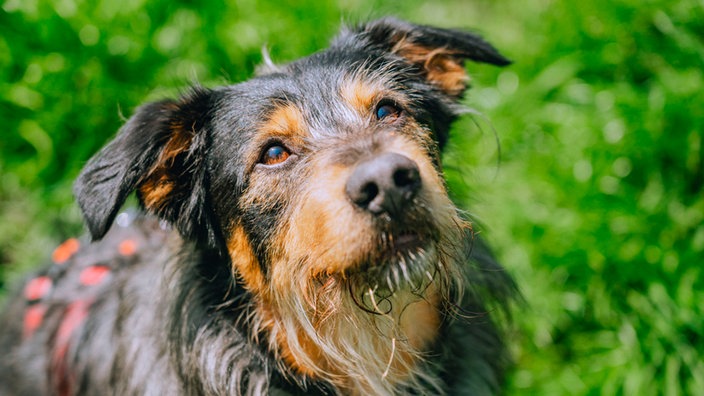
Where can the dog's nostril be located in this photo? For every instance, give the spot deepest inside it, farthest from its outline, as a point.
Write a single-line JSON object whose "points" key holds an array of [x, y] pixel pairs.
{"points": [[367, 194], [384, 184], [406, 177]]}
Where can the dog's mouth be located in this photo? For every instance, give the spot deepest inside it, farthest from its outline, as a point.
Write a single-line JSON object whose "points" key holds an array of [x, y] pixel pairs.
{"points": [[404, 259], [406, 241]]}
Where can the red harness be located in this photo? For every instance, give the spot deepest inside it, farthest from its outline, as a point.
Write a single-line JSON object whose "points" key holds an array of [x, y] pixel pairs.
{"points": [[74, 314]]}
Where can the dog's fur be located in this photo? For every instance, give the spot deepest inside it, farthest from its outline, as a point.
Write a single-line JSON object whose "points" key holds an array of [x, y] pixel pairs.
{"points": [[300, 240]]}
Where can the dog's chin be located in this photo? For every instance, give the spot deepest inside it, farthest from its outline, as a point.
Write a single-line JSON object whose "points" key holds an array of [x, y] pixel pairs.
{"points": [[409, 262]]}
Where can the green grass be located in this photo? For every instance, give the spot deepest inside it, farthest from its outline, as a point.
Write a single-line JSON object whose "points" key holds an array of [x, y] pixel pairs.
{"points": [[596, 204]]}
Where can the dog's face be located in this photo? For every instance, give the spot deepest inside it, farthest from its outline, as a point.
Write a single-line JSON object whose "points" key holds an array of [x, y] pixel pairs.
{"points": [[321, 182]]}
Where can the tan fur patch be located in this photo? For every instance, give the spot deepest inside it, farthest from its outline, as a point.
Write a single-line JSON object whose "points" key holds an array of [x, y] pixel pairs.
{"points": [[444, 69], [311, 349], [155, 191], [361, 95], [160, 183], [324, 226], [420, 320], [286, 120], [244, 262]]}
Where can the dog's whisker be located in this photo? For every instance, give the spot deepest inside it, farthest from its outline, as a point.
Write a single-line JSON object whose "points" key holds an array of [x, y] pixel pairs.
{"points": [[389, 283], [402, 263], [391, 359]]}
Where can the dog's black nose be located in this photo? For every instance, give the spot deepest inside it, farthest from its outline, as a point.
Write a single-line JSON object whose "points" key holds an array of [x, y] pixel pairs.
{"points": [[385, 183]]}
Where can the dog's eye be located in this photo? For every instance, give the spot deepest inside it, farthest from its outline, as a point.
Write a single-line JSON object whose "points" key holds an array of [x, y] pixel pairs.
{"points": [[275, 154], [387, 111]]}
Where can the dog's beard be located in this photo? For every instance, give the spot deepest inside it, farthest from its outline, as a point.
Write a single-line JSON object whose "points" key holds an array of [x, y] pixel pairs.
{"points": [[368, 329]]}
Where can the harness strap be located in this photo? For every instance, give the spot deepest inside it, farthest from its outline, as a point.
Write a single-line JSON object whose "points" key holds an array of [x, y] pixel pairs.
{"points": [[74, 315]]}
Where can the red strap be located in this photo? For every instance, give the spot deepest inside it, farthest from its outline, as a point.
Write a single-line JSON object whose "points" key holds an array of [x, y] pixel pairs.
{"points": [[37, 288], [33, 318], [94, 275], [64, 251], [128, 247], [75, 314]]}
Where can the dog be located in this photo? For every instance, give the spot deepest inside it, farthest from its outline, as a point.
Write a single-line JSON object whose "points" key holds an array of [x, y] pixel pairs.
{"points": [[295, 237]]}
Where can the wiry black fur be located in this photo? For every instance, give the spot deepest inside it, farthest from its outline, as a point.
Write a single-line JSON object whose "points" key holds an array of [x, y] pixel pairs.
{"points": [[171, 319]]}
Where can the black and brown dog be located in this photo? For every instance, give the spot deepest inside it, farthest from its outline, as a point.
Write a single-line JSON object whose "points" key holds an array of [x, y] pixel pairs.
{"points": [[314, 248]]}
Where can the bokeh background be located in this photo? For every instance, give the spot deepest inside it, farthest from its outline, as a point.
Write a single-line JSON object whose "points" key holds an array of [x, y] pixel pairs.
{"points": [[592, 196]]}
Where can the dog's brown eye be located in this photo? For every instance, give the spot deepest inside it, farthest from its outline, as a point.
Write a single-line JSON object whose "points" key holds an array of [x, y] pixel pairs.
{"points": [[387, 111], [275, 154]]}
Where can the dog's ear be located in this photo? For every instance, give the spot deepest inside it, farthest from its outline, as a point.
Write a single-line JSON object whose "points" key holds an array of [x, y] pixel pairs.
{"points": [[439, 54], [160, 152]]}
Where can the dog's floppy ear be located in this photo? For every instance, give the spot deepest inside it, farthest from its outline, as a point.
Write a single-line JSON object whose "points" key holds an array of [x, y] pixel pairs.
{"points": [[160, 152], [439, 53]]}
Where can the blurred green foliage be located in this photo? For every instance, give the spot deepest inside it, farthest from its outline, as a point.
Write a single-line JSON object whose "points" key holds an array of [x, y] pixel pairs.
{"points": [[595, 203]]}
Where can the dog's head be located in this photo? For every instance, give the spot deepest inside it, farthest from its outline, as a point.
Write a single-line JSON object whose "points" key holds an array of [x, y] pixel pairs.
{"points": [[321, 182]]}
